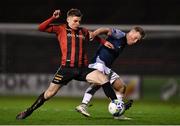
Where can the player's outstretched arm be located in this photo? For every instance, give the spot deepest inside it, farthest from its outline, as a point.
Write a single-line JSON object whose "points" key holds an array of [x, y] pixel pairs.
{"points": [[104, 42], [94, 35], [44, 26], [101, 31]]}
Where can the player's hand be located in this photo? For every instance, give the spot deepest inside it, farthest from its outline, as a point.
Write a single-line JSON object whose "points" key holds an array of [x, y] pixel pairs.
{"points": [[56, 14], [91, 36], [109, 33], [109, 45]]}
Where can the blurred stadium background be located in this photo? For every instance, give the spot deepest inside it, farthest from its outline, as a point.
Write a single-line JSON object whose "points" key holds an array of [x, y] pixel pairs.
{"points": [[29, 58]]}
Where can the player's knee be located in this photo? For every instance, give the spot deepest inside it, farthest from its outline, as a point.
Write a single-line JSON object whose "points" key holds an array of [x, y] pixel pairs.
{"points": [[49, 93], [52, 90]]}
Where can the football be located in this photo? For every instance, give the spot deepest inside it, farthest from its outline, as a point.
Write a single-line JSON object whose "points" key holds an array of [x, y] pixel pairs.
{"points": [[116, 107]]}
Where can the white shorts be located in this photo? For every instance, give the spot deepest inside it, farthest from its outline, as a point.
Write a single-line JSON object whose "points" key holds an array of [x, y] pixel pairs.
{"points": [[99, 65]]}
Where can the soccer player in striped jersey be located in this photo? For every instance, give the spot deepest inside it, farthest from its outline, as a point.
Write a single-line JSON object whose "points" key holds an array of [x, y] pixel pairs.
{"points": [[104, 59], [72, 40]]}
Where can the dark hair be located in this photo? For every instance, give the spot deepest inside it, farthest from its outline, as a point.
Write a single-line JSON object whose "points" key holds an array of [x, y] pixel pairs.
{"points": [[140, 30], [74, 12]]}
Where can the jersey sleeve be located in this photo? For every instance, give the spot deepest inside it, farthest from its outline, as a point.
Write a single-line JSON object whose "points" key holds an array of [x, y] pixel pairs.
{"points": [[46, 26], [117, 34]]}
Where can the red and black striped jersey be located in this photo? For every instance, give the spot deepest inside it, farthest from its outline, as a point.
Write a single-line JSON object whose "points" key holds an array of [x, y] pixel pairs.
{"points": [[72, 43]]}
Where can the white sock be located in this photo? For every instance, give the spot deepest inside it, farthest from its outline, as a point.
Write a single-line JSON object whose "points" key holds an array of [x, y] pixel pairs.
{"points": [[119, 97], [86, 99]]}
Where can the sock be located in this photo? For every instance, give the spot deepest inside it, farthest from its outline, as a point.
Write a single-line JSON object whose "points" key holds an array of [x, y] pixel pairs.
{"points": [[86, 99], [40, 101], [109, 91], [90, 91], [119, 96]]}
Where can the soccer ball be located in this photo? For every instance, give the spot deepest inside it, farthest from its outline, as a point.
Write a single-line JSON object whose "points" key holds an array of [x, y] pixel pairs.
{"points": [[116, 107]]}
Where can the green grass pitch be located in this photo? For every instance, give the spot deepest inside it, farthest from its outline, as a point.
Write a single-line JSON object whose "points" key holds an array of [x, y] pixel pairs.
{"points": [[60, 111]]}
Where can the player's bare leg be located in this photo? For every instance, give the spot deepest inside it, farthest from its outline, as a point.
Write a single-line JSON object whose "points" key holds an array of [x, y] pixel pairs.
{"points": [[99, 80], [50, 92], [120, 89]]}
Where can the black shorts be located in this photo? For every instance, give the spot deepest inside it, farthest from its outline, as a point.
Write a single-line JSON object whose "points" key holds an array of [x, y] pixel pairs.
{"points": [[66, 74]]}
